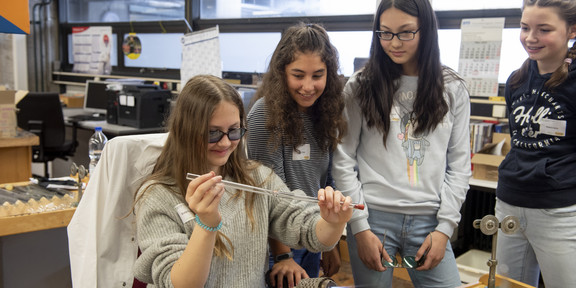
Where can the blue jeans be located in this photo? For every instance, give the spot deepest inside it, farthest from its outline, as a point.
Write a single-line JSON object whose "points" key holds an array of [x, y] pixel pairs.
{"points": [[545, 242], [309, 261], [404, 234]]}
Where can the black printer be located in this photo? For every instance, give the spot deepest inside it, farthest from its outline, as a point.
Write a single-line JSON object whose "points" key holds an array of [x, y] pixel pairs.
{"points": [[138, 105]]}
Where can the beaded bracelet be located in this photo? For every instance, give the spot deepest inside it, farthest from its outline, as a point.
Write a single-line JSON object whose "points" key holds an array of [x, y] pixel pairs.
{"points": [[211, 229]]}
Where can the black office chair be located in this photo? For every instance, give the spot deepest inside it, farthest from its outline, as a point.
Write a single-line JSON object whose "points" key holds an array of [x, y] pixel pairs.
{"points": [[41, 114]]}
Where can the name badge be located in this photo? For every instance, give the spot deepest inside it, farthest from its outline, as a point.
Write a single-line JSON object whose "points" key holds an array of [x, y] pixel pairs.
{"points": [[553, 127], [184, 212], [301, 153]]}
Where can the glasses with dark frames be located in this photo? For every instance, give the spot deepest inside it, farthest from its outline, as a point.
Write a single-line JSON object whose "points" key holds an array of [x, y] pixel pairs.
{"points": [[233, 134], [408, 262], [402, 36]]}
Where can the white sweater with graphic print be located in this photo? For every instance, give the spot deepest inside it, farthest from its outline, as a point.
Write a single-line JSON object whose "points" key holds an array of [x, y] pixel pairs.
{"points": [[412, 175]]}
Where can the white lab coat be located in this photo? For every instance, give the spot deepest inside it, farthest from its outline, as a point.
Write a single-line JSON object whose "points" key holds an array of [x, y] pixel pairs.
{"points": [[102, 232]]}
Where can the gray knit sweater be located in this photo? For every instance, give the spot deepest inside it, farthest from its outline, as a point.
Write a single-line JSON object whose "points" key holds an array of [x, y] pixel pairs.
{"points": [[162, 236]]}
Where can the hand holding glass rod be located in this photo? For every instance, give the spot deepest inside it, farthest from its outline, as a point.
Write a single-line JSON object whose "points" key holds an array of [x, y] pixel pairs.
{"points": [[258, 190]]}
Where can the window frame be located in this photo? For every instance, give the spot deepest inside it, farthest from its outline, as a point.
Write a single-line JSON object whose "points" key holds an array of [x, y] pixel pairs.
{"points": [[446, 20]]}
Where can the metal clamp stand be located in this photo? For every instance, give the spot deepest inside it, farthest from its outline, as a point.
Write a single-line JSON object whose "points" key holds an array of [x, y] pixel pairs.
{"points": [[489, 226], [81, 171]]}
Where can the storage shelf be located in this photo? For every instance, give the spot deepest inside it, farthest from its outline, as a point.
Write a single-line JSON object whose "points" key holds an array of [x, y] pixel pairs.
{"points": [[482, 118], [99, 77], [78, 79], [35, 222], [486, 101]]}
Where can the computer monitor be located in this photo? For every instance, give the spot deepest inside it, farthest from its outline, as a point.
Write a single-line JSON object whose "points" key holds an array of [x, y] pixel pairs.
{"points": [[95, 97]]}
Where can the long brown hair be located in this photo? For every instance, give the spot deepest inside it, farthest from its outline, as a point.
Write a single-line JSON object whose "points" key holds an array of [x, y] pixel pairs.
{"points": [[187, 144], [566, 10], [326, 113]]}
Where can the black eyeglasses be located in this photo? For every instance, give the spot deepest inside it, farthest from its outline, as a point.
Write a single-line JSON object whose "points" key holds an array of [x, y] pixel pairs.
{"points": [[408, 262], [402, 36], [233, 134]]}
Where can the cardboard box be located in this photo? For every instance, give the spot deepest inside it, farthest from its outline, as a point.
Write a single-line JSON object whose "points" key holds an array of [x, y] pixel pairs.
{"points": [[8, 122], [485, 162], [73, 101]]}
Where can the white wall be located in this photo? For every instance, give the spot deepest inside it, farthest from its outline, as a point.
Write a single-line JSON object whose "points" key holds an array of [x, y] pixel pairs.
{"points": [[20, 63]]}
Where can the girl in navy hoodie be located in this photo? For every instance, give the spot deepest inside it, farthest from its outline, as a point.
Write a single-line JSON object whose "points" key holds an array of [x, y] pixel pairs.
{"points": [[536, 181]]}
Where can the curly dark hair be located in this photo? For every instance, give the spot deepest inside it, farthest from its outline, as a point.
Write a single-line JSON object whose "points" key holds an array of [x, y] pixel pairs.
{"points": [[326, 112]]}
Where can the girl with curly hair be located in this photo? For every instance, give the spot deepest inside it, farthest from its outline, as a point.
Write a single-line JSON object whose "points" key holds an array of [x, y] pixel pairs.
{"points": [[294, 126]]}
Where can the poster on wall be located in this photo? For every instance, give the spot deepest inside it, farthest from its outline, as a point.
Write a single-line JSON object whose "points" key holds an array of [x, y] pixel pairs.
{"points": [[201, 54], [480, 51], [91, 49]]}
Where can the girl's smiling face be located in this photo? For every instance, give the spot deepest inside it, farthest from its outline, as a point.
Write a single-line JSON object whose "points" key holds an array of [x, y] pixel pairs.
{"points": [[225, 117], [544, 36], [306, 79]]}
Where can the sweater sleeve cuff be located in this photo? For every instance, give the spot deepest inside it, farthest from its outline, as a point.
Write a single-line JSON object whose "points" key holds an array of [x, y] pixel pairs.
{"points": [[359, 226], [445, 228]]}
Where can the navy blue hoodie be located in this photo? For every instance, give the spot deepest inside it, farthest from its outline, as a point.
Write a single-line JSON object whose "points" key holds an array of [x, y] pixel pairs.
{"points": [[540, 169]]}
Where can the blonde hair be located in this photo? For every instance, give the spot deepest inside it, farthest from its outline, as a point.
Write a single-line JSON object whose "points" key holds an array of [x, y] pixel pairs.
{"points": [[187, 143]]}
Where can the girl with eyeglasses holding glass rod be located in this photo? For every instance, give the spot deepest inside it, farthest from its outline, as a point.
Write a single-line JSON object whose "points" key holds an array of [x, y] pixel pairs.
{"points": [[201, 233], [295, 125], [536, 180], [407, 152]]}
